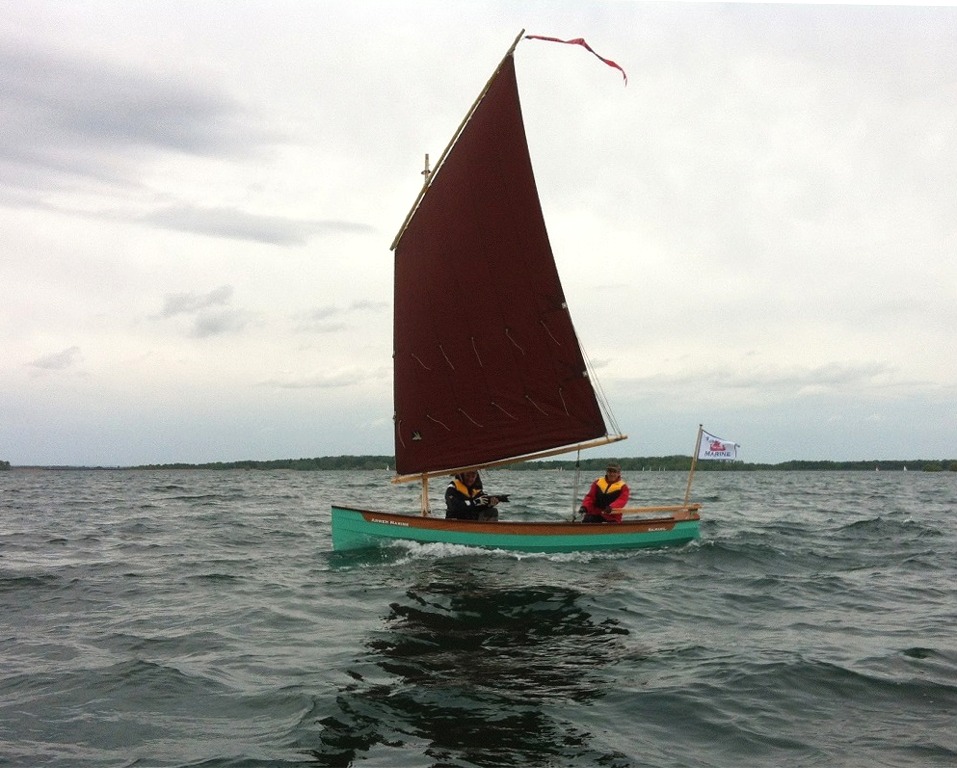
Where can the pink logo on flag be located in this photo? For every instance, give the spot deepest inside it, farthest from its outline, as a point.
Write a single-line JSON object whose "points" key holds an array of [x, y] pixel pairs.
{"points": [[712, 447]]}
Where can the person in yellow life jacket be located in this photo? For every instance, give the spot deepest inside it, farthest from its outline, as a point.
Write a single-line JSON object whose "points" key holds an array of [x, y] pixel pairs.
{"points": [[606, 495], [466, 500]]}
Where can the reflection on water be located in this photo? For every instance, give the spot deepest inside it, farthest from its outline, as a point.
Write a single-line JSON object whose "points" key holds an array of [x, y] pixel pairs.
{"points": [[476, 674]]}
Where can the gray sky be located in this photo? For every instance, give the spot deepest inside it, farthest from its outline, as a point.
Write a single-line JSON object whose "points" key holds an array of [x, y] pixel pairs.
{"points": [[197, 201]]}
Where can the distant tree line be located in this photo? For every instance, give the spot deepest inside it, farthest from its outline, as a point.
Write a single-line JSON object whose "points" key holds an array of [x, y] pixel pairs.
{"points": [[683, 463], [628, 464], [305, 465]]}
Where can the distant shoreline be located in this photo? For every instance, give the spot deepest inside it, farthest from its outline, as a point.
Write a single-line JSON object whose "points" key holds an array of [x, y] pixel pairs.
{"points": [[628, 464]]}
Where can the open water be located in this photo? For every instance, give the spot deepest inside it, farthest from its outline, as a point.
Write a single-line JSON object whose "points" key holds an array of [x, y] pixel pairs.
{"points": [[198, 618]]}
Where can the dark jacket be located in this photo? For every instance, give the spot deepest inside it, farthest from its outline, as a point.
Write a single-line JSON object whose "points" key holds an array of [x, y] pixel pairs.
{"points": [[468, 502]]}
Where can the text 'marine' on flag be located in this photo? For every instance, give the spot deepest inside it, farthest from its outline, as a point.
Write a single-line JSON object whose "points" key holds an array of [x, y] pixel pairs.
{"points": [[715, 448]]}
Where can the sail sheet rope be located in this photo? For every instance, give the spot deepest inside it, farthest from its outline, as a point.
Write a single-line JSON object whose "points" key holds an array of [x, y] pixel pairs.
{"points": [[603, 402]]}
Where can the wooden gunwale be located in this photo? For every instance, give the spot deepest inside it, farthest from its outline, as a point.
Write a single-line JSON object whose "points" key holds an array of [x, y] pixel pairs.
{"points": [[519, 527]]}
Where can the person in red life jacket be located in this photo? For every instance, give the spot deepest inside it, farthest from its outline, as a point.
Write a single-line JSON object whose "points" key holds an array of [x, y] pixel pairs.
{"points": [[466, 500], [606, 495]]}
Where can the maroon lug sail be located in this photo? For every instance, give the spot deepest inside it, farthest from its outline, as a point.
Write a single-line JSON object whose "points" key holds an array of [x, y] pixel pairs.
{"points": [[487, 363]]}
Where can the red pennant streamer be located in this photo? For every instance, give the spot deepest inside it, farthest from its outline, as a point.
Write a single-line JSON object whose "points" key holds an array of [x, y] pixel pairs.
{"points": [[580, 41]]}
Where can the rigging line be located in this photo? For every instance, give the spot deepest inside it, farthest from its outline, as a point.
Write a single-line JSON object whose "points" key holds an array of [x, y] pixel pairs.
{"points": [[549, 332], [470, 418], [442, 350], [561, 396], [496, 405], [431, 418], [508, 334], [398, 432], [603, 404], [600, 393]]}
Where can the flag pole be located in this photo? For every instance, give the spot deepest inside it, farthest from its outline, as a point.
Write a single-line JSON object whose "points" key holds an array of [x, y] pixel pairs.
{"points": [[694, 462]]}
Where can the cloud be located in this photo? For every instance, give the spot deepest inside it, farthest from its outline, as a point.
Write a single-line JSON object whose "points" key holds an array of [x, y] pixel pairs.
{"points": [[345, 377], [220, 323], [207, 321], [801, 380], [72, 125], [187, 303], [769, 383], [332, 318], [325, 319], [780, 234], [366, 304], [57, 361], [69, 120], [58, 107], [324, 313], [235, 224]]}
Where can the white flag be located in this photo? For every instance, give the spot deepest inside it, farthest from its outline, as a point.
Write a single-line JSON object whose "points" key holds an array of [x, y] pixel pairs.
{"points": [[712, 447]]}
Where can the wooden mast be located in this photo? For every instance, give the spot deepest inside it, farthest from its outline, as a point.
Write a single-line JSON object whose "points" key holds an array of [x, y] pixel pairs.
{"points": [[694, 463]]}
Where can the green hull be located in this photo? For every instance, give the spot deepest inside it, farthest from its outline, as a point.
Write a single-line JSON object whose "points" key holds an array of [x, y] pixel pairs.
{"points": [[359, 529]]}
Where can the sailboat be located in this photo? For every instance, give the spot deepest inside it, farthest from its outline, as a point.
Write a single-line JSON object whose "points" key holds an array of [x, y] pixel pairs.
{"points": [[488, 370]]}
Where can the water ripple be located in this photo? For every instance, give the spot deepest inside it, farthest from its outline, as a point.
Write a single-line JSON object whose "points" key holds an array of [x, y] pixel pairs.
{"points": [[202, 619]]}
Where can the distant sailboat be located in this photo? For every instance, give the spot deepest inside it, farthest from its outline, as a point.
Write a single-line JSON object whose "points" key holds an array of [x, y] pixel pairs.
{"points": [[503, 383]]}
